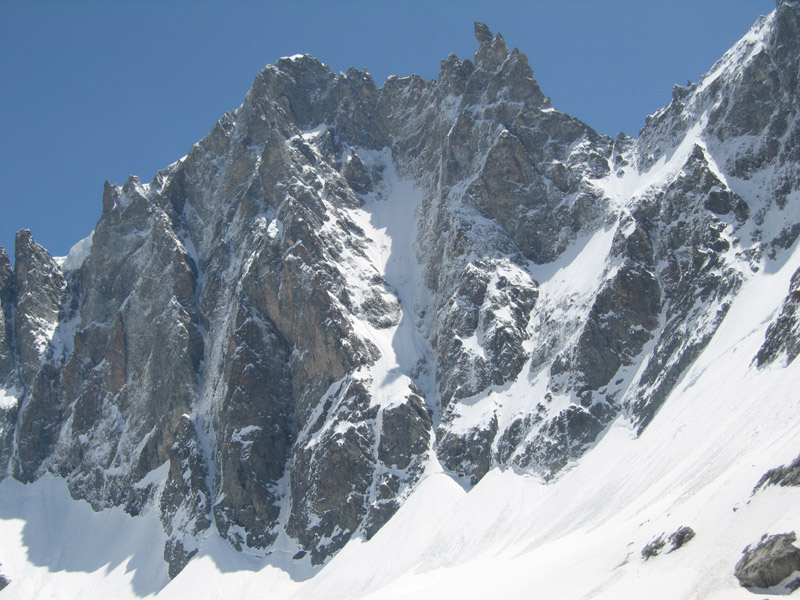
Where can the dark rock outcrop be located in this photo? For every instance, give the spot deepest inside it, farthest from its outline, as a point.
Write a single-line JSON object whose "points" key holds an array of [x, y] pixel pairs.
{"points": [[680, 537], [698, 282], [653, 547], [677, 539], [39, 291], [7, 362], [769, 562], [8, 380], [785, 475], [783, 335]]}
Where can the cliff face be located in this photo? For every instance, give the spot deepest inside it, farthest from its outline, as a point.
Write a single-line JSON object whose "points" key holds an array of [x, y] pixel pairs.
{"points": [[343, 287]]}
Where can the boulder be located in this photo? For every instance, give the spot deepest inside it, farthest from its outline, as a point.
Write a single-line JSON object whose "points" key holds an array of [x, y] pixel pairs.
{"points": [[770, 561]]}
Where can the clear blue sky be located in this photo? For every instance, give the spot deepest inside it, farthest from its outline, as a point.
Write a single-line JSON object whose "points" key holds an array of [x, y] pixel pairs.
{"points": [[91, 91]]}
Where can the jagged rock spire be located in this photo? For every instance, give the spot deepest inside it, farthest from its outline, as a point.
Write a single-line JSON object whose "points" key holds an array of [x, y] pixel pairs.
{"points": [[492, 50], [482, 33]]}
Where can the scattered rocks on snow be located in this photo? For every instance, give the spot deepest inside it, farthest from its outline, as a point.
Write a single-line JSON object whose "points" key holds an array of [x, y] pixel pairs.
{"points": [[679, 538], [769, 562], [786, 475], [654, 547]]}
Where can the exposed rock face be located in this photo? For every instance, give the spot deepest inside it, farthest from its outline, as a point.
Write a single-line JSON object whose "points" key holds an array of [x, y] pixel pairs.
{"points": [[690, 243], [342, 286], [769, 562], [8, 407], [39, 289], [7, 362]]}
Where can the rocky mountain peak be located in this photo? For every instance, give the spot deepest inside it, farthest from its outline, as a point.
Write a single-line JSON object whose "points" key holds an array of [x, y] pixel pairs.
{"points": [[483, 34], [38, 289], [342, 287], [513, 72], [492, 50]]}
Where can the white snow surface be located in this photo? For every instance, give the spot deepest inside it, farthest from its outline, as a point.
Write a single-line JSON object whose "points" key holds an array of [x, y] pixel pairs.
{"points": [[8, 398], [77, 254], [389, 219], [53, 547]]}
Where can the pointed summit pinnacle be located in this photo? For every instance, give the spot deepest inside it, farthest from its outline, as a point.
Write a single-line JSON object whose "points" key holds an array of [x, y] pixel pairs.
{"points": [[492, 51], [482, 33]]}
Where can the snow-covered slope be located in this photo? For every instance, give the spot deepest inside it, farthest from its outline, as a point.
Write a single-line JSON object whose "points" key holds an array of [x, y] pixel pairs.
{"points": [[430, 338]]}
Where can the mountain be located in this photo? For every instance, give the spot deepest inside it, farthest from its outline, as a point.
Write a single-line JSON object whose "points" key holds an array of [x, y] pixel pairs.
{"points": [[349, 303]]}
